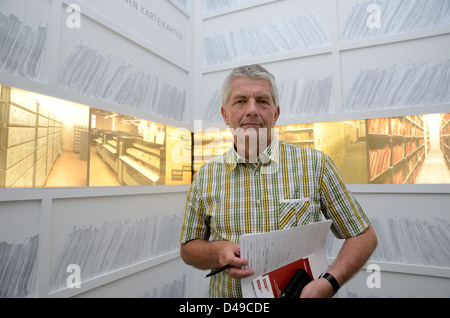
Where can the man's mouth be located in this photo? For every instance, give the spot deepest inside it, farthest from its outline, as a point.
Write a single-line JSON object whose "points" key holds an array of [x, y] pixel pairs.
{"points": [[251, 124]]}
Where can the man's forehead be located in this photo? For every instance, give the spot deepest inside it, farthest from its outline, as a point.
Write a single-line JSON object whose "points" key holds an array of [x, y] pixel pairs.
{"points": [[247, 86], [261, 81]]}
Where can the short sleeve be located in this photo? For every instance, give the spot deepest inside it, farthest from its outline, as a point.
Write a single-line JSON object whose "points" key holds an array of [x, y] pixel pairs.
{"points": [[195, 223], [339, 204]]}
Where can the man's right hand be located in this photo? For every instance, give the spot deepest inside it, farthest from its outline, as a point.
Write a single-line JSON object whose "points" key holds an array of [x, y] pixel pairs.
{"points": [[209, 255], [231, 254]]}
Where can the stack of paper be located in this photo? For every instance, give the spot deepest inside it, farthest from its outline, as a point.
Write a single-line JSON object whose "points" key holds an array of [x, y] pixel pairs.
{"points": [[184, 3], [278, 36], [412, 241], [18, 264], [402, 85], [87, 72], [214, 5], [266, 252], [114, 246], [305, 96], [23, 47], [212, 114], [396, 16]]}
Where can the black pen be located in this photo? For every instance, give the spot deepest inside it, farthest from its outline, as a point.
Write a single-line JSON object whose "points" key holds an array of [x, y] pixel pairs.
{"points": [[218, 270]]}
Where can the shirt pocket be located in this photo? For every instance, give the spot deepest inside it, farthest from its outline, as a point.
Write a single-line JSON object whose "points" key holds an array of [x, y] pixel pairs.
{"points": [[294, 212]]}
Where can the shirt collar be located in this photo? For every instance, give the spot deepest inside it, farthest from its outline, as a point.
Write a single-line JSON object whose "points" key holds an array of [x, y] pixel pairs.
{"points": [[270, 155]]}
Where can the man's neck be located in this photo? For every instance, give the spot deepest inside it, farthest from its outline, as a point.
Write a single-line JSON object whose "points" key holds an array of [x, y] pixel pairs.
{"points": [[251, 151]]}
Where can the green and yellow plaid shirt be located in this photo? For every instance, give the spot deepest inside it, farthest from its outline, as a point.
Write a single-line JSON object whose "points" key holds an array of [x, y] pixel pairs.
{"points": [[289, 186]]}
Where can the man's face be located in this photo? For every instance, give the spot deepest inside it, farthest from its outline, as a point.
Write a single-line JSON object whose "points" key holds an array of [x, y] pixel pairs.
{"points": [[251, 106]]}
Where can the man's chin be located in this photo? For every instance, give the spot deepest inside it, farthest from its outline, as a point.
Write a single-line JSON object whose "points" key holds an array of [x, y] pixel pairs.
{"points": [[248, 131]]}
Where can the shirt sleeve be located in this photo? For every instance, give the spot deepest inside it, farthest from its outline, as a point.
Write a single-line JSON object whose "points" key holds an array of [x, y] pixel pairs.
{"points": [[195, 223], [339, 204]]}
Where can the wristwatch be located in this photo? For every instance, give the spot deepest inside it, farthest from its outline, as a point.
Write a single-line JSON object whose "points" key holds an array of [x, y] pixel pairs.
{"points": [[332, 281]]}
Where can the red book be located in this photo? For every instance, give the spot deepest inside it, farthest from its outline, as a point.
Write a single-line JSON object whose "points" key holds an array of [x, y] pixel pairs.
{"points": [[271, 284]]}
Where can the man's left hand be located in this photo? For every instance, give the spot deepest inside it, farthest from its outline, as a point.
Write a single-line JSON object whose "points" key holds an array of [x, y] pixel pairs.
{"points": [[319, 288]]}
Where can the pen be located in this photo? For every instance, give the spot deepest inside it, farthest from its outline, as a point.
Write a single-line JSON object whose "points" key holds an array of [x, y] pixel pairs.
{"points": [[218, 270]]}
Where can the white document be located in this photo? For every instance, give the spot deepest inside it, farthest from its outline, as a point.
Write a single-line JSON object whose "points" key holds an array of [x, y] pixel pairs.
{"points": [[266, 252]]}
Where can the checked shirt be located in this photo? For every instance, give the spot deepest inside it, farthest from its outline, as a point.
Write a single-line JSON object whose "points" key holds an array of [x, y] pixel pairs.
{"points": [[288, 186]]}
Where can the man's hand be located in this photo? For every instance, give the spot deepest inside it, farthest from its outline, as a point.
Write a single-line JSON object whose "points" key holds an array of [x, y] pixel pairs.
{"points": [[230, 253], [352, 256], [207, 255]]}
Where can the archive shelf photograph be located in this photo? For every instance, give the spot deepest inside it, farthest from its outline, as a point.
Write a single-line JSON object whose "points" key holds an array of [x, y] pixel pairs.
{"points": [[130, 151], [408, 149], [48, 142], [392, 150], [31, 140]]}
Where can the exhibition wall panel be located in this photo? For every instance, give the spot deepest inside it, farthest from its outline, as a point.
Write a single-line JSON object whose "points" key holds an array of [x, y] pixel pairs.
{"points": [[163, 62], [127, 57], [78, 51], [71, 243]]}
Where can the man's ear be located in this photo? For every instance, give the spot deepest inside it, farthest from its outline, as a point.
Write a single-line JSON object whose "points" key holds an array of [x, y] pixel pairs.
{"points": [[277, 113], [224, 115]]}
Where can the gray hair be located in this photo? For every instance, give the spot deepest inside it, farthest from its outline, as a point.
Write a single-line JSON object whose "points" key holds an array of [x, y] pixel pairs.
{"points": [[253, 71]]}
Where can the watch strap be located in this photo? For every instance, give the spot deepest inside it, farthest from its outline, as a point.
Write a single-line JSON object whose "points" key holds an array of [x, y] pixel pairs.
{"points": [[334, 283]]}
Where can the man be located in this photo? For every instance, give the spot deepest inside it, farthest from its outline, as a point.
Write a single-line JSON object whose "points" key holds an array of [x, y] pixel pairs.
{"points": [[246, 190]]}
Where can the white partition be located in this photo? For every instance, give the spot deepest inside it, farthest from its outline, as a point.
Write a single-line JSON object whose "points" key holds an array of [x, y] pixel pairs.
{"points": [[43, 231], [152, 52], [121, 238], [107, 233], [19, 247], [412, 225]]}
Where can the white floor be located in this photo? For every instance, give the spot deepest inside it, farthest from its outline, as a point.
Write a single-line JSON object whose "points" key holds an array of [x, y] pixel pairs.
{"points": [[434, 169]]}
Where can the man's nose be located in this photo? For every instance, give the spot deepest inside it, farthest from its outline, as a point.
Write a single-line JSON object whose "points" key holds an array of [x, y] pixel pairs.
{"points": [[252, 107]]}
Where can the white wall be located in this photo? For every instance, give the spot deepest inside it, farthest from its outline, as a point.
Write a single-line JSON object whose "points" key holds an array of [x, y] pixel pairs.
{"points": [[42, 221], [412, 253], [142, 48], [136, 229], [112, 234]]}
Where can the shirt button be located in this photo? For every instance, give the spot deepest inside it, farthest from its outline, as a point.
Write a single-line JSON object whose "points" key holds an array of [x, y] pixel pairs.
{"points": [[258, 202]]}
